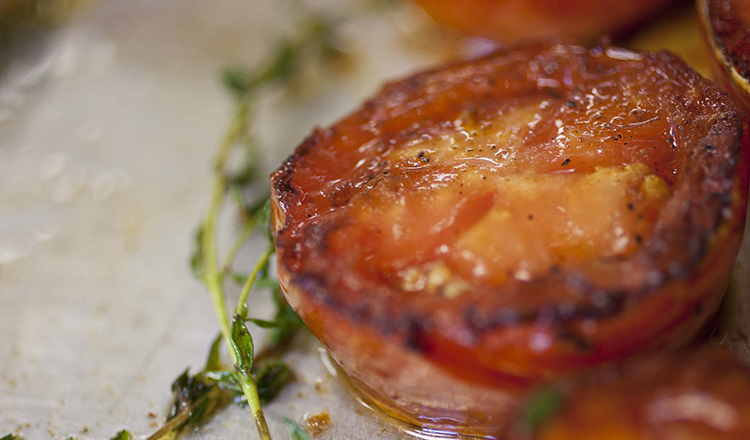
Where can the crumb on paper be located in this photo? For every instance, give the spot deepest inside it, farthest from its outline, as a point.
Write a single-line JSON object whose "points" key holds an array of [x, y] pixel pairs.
{"points": [[321, 387], [318, 423]]}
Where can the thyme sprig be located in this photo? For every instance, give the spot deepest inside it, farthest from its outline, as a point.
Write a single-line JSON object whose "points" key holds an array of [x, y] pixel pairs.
{"points": [[257, 377]]}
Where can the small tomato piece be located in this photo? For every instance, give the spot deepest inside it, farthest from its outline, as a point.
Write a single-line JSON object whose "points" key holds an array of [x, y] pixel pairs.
{"points": [[481, 227]]}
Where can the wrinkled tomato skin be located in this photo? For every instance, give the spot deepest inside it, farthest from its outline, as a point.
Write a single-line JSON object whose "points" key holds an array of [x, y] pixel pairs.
{"points": [[488, 225], [512, 21], [701, 395]]}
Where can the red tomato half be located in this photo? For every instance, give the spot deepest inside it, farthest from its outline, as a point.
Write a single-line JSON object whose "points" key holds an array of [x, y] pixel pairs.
{"points": [[478, 228], [511, 21]]}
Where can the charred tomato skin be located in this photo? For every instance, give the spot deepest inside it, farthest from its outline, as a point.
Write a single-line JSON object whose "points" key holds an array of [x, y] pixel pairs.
{"points": [[726, 30], [699, 395], [513, 21], [459, 358]]}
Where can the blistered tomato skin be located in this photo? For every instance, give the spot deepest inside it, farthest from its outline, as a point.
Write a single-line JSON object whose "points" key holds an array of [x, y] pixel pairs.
{"points": [[512, 21], [479, 228], [702, 395]]}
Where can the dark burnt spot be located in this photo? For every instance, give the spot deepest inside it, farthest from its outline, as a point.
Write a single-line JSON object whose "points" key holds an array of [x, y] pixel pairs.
{"points": [[481, 320], [565, 162], [552, 93], [414, 331], [578, 341], [698, 309]]}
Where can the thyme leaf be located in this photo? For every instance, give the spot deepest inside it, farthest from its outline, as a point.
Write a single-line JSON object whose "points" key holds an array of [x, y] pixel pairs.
{"points": [[12, 437], [295, 431], [242, 344], [541, 408], [188, 390], [123, 435], [262, 323], [243, 82], [196, 259], [272, 376], [213, 361]]}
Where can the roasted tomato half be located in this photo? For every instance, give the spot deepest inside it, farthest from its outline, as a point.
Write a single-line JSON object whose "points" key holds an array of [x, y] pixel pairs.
{"points": [[478, 228], [511, 21], [703, 395], [726, 28]]}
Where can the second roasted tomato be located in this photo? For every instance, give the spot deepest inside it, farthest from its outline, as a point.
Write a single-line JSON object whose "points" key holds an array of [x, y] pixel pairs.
{"points": [[479, 228], [510, 21]]}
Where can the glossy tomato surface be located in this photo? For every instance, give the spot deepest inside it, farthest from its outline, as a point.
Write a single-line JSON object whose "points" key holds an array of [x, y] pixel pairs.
{"points": [[510, 21], [481, 227], [704, 395]]}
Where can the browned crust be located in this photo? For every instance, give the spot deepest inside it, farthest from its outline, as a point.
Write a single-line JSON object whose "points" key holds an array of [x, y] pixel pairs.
{"points": [[730, 31]]}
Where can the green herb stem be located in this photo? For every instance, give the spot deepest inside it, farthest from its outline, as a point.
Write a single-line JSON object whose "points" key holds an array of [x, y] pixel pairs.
{"points": [[212, 276], [251, 392], [247, 231], [169, 430], [262, 262]]}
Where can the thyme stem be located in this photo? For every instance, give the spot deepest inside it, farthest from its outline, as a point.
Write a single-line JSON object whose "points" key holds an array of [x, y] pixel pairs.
{"points": [[262, 261], [169, 430], [247, 231], [212, 275], [250, 388]]}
